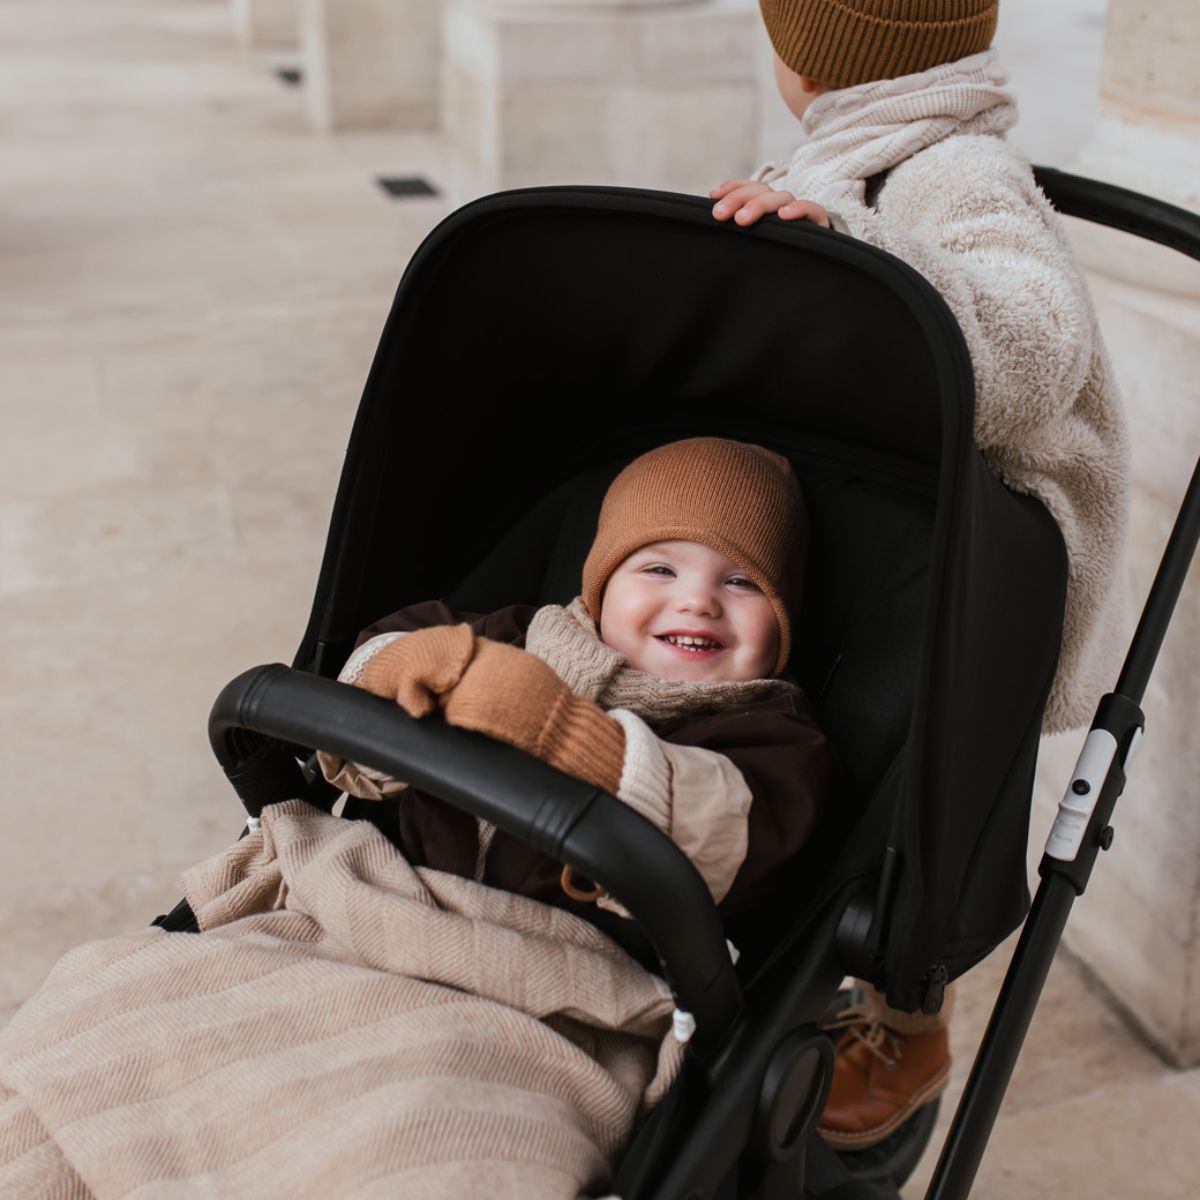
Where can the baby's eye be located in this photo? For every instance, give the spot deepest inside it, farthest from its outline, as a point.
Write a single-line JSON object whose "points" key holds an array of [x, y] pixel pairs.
{"points": [[658, 569], [742, 582]]}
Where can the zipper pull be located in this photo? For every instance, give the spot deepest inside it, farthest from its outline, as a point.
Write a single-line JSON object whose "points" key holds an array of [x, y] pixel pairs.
{"points": [[935, 988]]}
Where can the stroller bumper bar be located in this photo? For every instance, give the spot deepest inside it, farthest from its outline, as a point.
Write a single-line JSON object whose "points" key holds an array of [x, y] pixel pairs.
{"points": [[262, 715]]}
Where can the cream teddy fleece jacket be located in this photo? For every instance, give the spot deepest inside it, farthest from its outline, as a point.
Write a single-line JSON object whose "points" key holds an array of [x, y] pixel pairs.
{"points": [[919, 166]]}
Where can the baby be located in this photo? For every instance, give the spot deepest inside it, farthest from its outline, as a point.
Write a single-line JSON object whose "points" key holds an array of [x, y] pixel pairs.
{"points": [[662, 682]]}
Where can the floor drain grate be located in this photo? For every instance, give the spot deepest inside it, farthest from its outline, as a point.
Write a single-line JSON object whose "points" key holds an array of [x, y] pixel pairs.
{"points": [[403, 186], [292, 76]]}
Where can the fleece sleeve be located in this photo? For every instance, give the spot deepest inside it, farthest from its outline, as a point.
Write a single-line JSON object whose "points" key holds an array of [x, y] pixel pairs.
{"points": [[967, 215]]}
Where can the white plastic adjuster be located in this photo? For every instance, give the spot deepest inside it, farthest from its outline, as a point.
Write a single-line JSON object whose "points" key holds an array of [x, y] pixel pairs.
{"points": [[1133, 745], [684, 1025], [1075, 808]]}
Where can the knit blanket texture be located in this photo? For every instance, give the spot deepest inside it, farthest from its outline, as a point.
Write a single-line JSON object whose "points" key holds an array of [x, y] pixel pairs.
{"points": [[345, 1026]]}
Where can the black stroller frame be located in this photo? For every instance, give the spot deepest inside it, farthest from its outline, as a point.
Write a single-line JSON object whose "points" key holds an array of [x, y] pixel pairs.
{"points": [[889, 907]]}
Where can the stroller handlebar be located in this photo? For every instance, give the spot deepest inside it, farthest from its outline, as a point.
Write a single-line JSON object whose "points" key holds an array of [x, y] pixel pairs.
{"points": [[1119, 208], [263, 714]]}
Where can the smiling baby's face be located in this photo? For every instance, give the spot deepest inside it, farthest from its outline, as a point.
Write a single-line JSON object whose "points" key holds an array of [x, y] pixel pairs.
{"points": [[682, 610]]}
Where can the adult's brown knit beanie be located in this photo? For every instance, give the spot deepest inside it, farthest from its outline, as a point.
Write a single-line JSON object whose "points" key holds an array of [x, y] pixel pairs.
{"points": [[735, 497], [843, 42]]}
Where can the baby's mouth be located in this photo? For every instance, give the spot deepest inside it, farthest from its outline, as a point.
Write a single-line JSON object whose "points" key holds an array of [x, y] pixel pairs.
{"points": [[691, 645]]}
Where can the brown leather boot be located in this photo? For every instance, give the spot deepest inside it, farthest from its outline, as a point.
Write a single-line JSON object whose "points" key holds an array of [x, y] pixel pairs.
{"points": [[880, 1078]]}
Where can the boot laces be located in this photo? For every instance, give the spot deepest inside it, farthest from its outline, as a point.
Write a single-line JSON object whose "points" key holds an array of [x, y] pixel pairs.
{"points": [[862, 1025]]}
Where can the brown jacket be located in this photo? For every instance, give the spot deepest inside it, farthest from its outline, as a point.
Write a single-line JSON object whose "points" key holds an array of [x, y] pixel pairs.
{"points": [[773, 743]]}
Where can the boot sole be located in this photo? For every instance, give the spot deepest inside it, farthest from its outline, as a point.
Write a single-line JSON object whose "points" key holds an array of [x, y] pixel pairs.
{"points": [[862, 1139]]}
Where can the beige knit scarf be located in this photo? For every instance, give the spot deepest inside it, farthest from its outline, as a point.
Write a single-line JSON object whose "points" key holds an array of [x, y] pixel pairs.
{"points": [[854, 133], [566, 640]]}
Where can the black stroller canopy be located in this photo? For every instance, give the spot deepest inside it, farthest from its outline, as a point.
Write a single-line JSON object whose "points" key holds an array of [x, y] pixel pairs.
{"points": [[536, 334], [541, 339]]}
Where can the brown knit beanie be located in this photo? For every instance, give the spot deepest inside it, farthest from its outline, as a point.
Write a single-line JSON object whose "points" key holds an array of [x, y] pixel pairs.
{"points": [[843, 42], [740, 499]]}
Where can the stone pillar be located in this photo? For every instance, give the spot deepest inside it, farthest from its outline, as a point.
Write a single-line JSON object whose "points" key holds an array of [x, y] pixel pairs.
{"points": [[645, 94], [266, 24], [371, 63], [1138, 925]]}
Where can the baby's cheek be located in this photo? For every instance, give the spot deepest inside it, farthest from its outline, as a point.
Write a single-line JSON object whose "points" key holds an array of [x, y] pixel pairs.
{"points": [[770, 650]]}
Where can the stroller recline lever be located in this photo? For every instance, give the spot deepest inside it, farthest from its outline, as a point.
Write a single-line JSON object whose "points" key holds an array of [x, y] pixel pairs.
{"points": [[563, 817]]}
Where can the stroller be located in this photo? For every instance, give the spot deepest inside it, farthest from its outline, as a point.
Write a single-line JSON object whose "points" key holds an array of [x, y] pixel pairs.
{"points": [[539, 341]]}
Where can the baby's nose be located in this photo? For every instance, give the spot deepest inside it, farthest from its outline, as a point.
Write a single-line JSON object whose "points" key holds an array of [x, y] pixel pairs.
{"points": [[702, 601]]}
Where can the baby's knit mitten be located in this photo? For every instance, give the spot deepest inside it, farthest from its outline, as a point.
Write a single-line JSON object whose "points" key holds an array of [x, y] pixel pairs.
{"points": [[516, 698], [418, 669]]}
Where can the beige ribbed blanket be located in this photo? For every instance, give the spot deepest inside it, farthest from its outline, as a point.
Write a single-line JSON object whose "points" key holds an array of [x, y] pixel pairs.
{"points": [[345, 1026]]}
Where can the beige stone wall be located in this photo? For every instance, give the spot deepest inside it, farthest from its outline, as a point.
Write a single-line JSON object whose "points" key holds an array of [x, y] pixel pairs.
{"points": [[659, 95], [1151, 72], [371, 64], [266, 24]]}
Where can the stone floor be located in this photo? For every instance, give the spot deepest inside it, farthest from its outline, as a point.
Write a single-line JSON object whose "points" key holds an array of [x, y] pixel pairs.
{"points": [[191, 288]]}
